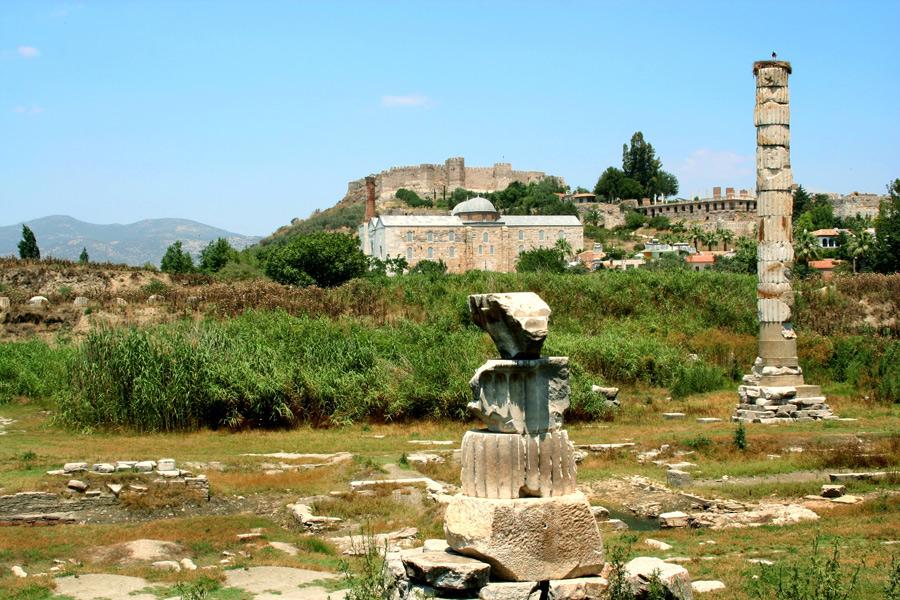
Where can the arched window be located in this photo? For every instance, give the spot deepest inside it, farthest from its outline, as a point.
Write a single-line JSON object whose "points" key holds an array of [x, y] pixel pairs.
{"points": [[492, 250], [484, 236], [521, 235], [521, 249], [409, 236], [429, 236], [452, 251], [409, 253], [541, 235], [430, 252], [480, 249], [451, 236], [561, 235]]}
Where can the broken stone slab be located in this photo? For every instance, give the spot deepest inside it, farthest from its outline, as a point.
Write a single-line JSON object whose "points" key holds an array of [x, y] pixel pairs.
{"points": [[447, 571], [144, 466], [762, 514], [435, 545], [125, 465], [607, 447], [704, 586], [675, 578], [833, 490], [658, 545], [249, 537], [517, 322], [681, 466], [521, 396], [432, 486], [392, 541], [421, 459], [77, 485], [600, 513], [165, 464], [75, 467], [4, 302], [870, 476], [508, 465], [706, 420], [674, 519], [847, 499], [614, 524], [581, 588], [167, 565], [80, 302], [93, 494], [610, 393], [187, 564], [673, 415], [104, 468], [527, 539], [18, 571], [115, 488], [510, 590], [38, 301], [303, 513]]}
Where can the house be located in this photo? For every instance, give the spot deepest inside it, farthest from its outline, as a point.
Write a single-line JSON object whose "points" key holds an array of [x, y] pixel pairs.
{"points": [[700, 261], [825, 267], [827, 238]]}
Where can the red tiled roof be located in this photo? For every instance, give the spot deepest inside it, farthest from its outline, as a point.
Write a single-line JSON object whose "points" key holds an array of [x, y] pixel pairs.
{"points": [[825, 233], [825, 263], [700, 258]]}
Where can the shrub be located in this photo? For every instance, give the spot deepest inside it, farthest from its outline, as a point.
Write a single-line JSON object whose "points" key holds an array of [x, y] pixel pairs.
{"points": [[541, 260], [32, 369], [813, 578], [695, 378], [323, 259], [659, 222], [412, 199], [740, 437], [176, 260]]}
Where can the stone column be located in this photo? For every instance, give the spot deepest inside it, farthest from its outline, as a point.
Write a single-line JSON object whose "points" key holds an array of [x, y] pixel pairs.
{"points": [[775, 389]]}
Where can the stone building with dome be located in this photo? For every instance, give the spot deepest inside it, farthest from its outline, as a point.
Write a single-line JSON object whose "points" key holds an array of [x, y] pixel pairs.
{"points": [[473, 236]]}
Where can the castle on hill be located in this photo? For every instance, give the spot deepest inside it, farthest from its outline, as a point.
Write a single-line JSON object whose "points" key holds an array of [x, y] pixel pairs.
{"points": [[437, 180]]}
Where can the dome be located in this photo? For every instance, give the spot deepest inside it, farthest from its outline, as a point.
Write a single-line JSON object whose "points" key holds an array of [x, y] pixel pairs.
{"points": [[474, 205]]}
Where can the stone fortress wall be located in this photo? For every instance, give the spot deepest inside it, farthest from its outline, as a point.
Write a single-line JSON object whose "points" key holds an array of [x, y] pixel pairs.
{"points": [[433, 180]]}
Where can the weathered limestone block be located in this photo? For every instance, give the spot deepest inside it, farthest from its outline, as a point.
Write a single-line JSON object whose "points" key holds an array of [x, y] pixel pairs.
{"points": [[582, 588], [774, 179], [775, 229], [81, 301], [506, 465], [533, 539], [4, 302], [447, 571], [773, 203], [521, 396], [38, 301], [773, 114], [773, 135], [775, 251], [773, 311], [675, 577], [772, 158], [513, 590], [778, 95], [773, 271], [772, 73], [517, 322], [674, 519]]}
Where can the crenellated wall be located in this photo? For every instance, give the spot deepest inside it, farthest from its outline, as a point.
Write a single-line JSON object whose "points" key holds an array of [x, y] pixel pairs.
{"points": [[433, 180]]}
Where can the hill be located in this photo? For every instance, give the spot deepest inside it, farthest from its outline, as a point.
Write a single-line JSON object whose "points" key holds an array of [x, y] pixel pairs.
{"points": [[137, 243]]}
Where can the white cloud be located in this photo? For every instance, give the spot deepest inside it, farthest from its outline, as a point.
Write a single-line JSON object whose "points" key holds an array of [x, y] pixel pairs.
{"points": [[28, 110], [411, 100], [28, 51], [704, 168]]}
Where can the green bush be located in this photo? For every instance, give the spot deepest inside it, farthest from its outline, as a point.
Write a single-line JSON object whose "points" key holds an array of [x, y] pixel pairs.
{"points": [[32, 369], [323, 259], [412, 199]]}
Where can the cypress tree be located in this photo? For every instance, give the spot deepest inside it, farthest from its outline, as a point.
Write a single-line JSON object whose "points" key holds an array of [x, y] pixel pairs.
{"points": [[28, 248]]}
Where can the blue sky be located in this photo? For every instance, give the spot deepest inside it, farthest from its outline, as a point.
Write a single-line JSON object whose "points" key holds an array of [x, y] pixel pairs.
{"points": [[244, 115]]}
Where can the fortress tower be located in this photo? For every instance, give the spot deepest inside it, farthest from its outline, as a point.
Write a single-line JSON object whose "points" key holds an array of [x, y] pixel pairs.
{"points": [[456, 173]]}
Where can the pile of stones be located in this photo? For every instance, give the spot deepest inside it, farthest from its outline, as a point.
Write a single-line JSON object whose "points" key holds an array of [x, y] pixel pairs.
{"points": [[519, 529], [762, 402], [164, 472]]}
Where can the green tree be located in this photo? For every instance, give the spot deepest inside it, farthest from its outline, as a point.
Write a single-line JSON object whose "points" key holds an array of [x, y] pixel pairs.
{"points": [[541, 259], [886, 254], [323, 259], [613, 186], [565, 248], [640, 163], [430, 268], [806, 246], [83, 258], [592, 217], [801, 201], [709, 239], [821, 212], [176, 260], [634, 219], [696, 232], [859, 246], [28, 248], [412, 199], [744, 260], [216, 255], [726, 235]]}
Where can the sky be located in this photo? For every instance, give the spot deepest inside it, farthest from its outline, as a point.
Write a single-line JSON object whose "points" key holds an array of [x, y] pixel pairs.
{"points": [[244, 115]]}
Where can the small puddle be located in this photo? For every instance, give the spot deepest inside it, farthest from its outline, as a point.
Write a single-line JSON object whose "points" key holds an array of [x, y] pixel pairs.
{"points": [[634, 522]]}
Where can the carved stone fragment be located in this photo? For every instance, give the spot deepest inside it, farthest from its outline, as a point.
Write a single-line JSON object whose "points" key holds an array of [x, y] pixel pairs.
{"points": [[517, 322]]}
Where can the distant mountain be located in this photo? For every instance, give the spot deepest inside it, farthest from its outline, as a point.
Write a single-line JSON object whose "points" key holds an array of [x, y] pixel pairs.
{"points": [[135, 244]]}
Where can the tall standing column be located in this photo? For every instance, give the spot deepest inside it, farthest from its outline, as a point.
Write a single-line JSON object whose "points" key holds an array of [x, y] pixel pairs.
{"points": [[775, 388]]}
